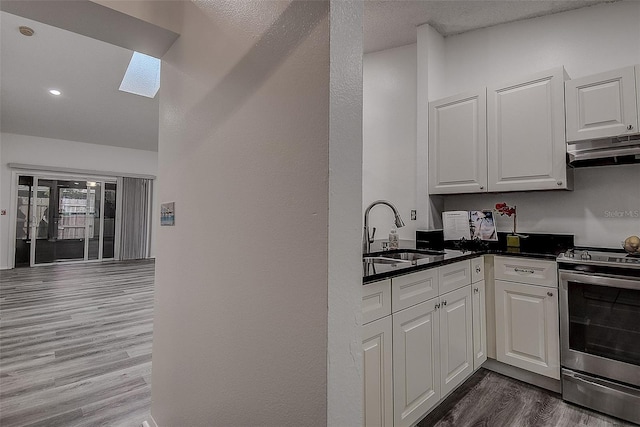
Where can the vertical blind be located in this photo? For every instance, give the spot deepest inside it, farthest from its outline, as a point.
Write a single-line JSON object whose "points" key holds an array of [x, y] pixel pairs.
{"points": [[134, 239]]}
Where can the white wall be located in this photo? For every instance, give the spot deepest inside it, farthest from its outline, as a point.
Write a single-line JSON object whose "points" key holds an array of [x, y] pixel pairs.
{"points": [[389, 138], [65, 154], [344, 346], [431, 77], [245, 281], [585, 41], [4, 219], [603, 209]]}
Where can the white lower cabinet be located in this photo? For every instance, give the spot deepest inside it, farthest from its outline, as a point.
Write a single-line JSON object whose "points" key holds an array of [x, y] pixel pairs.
{"points": [[425, 348], [479, 324], [378, 379], [527, 327], [416, 367], [432, 353], [456, 338]]}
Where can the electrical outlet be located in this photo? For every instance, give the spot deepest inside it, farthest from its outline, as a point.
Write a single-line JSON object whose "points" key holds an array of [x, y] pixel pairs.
{"points": [[413, 214]]}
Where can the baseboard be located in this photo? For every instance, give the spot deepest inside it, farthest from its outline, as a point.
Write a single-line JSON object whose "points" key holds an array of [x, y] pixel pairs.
{"points": [[150, 422], [523, 375]]}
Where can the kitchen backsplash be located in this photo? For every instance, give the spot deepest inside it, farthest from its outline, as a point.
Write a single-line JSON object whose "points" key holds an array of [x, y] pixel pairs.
{"points": [[534, 243], [602, 211]]}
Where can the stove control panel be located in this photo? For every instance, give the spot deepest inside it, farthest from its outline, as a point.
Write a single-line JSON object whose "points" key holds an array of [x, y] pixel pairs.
{"points": [[599, 257]]}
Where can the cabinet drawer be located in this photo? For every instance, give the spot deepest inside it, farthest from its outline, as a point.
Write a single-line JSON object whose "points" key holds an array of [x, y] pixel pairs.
{"points": [[412, 289], [526, 270], [454, 276], [477, 269], [376, 300]]}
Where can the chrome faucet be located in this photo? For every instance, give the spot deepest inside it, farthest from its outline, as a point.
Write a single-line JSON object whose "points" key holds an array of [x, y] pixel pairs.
{"points": [[367, 239]]}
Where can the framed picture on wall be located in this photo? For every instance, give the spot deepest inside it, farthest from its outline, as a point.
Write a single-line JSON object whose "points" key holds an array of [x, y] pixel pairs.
{"points": [[167, 213]]}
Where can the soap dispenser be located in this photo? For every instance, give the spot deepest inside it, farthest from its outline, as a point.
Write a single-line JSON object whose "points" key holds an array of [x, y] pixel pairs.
{"points": [[393, 239]]}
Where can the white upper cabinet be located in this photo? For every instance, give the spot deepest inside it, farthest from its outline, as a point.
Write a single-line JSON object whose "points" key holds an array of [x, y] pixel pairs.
{"points": [[526, 135], [602, 105], [457, 144], [510, 137]]}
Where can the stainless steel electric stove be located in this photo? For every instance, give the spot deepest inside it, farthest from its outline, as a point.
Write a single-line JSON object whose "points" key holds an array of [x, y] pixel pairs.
{"points": [[600, 330]]}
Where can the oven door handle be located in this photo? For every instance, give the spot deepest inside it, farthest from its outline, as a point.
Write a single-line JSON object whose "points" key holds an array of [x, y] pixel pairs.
{"points": [[599, 280], [604, 384]]}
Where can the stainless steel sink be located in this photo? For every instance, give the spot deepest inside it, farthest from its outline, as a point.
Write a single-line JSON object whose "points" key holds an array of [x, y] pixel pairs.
{"points": [[407, 256], [397, 257], [383, 260]]}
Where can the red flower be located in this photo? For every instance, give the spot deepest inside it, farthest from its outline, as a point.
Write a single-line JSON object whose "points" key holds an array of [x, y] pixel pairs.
{"points": [[504, 209]]}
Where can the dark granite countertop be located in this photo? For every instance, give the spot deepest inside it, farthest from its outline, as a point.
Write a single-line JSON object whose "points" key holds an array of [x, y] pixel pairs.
{"points": [[540, 246], [375, 272]]}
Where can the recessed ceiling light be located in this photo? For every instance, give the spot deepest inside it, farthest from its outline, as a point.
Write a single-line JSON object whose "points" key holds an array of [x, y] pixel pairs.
{"points": [[55, 92], [26, 31]]}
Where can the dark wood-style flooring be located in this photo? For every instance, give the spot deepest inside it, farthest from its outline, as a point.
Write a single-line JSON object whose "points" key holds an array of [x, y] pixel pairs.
{"points": [[75, 344], [493, 400]]}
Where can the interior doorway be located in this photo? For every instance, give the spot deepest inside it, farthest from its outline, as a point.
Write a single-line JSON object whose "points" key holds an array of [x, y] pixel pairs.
{"points": [[64, 219]]}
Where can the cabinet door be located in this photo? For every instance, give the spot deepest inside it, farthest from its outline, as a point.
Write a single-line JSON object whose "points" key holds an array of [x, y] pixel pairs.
{"points": [[602, 105], [416, 367], [479, 324], [527, 327], [458, 144], [456, 338], [378, 380], [477, 269], [526, 138]]}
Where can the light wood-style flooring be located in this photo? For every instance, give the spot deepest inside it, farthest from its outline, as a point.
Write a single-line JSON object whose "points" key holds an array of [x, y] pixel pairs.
{"points": [[75, 350], [75, 344], [493, 400]]}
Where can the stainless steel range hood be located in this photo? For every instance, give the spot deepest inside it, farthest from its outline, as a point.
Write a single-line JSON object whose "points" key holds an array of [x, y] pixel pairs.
{"points": [[602, 152]]}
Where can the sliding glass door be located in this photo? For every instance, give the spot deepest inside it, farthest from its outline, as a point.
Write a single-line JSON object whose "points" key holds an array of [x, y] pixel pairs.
{"points": [[61, 219]]}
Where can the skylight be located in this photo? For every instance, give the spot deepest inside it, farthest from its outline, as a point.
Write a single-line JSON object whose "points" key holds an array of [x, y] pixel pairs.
{"points": [[142, 76]]}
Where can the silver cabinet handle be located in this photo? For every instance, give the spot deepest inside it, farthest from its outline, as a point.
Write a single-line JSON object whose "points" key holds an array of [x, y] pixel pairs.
{"points": [[437, 306], [444, 303], [559, 182], [476, 290], [482, 187], [630, 127], [550, 294], [522, 270], [478, 269]]}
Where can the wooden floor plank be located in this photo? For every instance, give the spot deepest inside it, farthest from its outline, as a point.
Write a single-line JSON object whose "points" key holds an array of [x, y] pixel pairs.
{"points": [[75, 344], [490, 399], [75, 351]]}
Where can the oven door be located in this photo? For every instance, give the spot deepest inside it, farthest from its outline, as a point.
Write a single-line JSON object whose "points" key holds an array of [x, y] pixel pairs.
{"points": [[600, 325]]}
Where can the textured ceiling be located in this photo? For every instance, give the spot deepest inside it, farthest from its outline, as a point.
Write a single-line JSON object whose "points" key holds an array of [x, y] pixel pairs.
{"points": [[390, 24], [87, 71]]}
